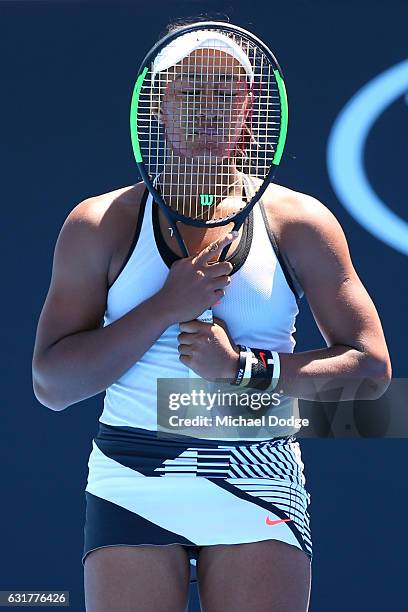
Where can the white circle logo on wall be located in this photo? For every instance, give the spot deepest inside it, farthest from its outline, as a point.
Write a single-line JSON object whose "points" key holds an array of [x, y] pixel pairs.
{"points": [[345, 157]]}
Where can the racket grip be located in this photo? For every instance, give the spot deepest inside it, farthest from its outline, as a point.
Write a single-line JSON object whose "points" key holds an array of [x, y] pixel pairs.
{"points": [[205, 317]]}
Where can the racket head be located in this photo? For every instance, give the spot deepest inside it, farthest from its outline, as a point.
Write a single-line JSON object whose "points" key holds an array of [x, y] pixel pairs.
{"points": [[209, 106]]}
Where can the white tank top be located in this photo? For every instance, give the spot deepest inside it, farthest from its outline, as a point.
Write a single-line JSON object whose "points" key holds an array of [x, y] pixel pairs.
{"points": [[259, 307]]}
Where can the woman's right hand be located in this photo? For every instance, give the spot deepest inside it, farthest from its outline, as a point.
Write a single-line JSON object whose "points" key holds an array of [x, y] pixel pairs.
{"points": [[194, 284]]}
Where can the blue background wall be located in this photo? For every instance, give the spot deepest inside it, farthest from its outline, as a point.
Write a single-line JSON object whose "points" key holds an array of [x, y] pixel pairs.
{"points": [[68, 69]]}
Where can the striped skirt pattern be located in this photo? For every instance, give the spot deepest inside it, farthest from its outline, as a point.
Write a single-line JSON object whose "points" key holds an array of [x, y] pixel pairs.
{"points": [[144, 488]]}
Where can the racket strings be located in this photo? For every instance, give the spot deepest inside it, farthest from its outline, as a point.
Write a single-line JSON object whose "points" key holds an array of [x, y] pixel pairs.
{"points": [[245, 196], [209, 125]]}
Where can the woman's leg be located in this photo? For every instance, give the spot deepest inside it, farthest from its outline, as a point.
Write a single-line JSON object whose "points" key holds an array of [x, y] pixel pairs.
{"points": [[267, 576], [137, 579]]}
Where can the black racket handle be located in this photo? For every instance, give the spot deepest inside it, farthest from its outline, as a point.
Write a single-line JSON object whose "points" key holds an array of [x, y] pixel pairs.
{"points": [[224, 251]]}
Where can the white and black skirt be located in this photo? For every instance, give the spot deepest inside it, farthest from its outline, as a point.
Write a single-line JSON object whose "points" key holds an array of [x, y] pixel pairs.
{"points": [[146, 489]]}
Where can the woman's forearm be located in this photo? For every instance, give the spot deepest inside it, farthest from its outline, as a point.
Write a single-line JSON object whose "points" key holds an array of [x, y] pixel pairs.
{"points": [[335, 373]]}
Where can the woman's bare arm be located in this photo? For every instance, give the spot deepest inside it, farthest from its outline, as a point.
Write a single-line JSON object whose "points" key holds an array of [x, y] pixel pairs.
{"points": [[74, 357], [343, 310]]}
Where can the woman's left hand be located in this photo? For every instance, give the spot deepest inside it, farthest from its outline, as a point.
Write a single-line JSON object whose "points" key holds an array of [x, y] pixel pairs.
{"points": [[208, 349]]}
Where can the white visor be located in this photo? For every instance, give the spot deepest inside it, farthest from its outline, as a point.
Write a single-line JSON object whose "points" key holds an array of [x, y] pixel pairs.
{"points": [[177, 50]]}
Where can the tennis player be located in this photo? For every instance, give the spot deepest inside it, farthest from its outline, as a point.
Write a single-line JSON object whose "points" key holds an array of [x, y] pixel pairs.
{"points": [[121, 313]]}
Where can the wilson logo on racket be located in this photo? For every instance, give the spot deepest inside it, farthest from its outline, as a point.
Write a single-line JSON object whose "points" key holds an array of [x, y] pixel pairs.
{"points": [[269, 522], [206, 199]]}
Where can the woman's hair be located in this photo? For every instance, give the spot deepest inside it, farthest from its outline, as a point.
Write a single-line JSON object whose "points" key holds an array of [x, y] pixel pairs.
{"points": [[180, 22]]}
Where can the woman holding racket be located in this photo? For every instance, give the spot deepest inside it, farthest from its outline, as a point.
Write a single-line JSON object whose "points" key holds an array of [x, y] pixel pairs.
{"points": [[209, 122]]}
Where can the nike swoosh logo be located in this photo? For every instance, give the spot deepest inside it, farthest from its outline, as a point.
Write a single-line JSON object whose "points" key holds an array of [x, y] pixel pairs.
{"points": [[269, 522], [262, 356]]}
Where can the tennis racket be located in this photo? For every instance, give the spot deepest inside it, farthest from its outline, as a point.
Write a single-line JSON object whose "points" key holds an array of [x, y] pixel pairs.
{"points": [[208, 120]]}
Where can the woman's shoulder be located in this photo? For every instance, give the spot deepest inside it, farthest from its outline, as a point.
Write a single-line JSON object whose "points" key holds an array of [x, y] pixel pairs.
{"points": [[300, 223], [108, 215], [122, 201], [294, 211], [297, 203], [104, 225]]}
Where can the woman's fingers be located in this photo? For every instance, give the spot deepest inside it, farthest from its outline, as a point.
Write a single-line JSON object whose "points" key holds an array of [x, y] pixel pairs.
{"points": [[214, 248]]}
